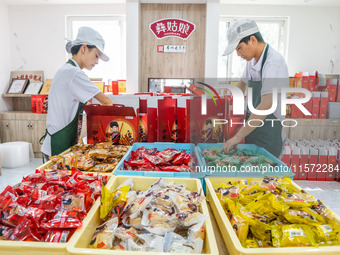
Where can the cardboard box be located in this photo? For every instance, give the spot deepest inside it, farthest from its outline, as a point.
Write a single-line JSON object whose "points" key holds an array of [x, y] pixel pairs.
{"points": [[316, 105], [115, 123], [323, 105]]}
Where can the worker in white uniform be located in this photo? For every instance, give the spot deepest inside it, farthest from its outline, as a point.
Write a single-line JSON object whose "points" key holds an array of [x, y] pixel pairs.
{"points": [[266, 69], [70, 89]]}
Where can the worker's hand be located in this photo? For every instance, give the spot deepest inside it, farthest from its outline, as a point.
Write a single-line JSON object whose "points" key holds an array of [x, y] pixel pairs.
{"points": [[231, 143]]}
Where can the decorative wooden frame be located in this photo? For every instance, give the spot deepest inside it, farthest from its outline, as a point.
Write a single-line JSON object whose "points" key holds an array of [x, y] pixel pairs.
{"points": [[17, 86]]}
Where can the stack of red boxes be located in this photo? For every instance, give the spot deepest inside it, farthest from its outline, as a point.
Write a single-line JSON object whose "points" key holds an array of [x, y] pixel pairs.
{"points": [[313, 160]]}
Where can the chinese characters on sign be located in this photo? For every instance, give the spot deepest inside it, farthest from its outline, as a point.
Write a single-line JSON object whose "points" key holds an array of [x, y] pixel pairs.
{"points": [[172, 28], [171, 48]]}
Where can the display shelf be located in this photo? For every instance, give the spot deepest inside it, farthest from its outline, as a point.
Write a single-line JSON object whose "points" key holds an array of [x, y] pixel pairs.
{"points": [[15, 95]]}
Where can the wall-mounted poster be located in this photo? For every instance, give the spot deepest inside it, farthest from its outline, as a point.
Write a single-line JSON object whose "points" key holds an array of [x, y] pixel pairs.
{"points": [[17, 86]]}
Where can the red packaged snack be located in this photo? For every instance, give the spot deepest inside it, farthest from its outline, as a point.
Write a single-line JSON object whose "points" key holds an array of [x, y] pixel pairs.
{"points": [[96, 188], [57, 175], [36, 215], [25, 232], [5, 232], [168, 154], [35, 178], [58, 235], [48, 203], [63, 219], [12, 214]]}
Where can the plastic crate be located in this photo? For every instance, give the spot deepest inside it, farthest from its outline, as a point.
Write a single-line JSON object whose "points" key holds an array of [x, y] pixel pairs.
{"points": [[231, 240], [43, 248], [202, 146], [161, 146], [79, 244]]}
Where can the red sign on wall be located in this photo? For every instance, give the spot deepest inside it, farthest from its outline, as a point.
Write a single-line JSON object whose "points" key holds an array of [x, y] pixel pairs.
{"points": [[172, 28]]}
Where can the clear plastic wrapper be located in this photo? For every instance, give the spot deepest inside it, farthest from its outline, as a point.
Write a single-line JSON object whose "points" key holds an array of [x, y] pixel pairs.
{"points": [[104, 235]]}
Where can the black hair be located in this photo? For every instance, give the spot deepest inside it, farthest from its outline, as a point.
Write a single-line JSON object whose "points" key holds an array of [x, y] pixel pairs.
{"points": [[75, 49], [257, 35], [208, 121], [114, 124]]}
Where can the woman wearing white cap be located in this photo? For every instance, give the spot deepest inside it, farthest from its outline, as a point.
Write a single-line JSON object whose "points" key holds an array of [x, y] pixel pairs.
{"points": [[266, 69], [70, 89]]}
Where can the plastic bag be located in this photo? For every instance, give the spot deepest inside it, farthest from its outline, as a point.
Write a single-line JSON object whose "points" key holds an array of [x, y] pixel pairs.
{"points": [[58, 235], [63, 219], [292, 236], [104, 235], [72, 201], [5, 232], [326, 234]]}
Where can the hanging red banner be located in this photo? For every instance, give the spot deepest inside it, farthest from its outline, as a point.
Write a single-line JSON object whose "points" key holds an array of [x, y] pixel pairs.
{"points": [[172, 28]]}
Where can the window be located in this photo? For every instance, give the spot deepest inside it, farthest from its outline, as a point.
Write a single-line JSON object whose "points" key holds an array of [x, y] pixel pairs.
{"points": [[274, 32], [112, 28]]}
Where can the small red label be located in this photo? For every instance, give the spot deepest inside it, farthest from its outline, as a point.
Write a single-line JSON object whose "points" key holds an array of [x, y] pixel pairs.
{"points": [[160, 48], [172, 28]]}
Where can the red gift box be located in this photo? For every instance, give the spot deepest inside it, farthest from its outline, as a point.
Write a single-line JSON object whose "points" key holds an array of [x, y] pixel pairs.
{"points": [[167, 120], [153, 118], [332, 85], [309, 107], [312, 166], [295, 161], [286, 155], [322, 166], [316, 105], [201, 127], [305, 81], [311, 84], [338, 95], [115, 123], [304, 160], [332, 164], [182, 119], [323, 105]]}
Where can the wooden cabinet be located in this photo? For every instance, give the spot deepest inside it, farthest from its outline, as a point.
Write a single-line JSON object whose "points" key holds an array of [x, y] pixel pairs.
{"points": [[23, 126]]}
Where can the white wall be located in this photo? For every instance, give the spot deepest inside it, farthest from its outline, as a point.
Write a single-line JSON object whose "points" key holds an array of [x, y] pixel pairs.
{"points": [[37, 34], [312, 43], [5, 59]]}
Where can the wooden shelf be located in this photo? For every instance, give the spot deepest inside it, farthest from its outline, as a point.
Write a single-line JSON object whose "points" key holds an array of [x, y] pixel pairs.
{"points": [[16, 95]]}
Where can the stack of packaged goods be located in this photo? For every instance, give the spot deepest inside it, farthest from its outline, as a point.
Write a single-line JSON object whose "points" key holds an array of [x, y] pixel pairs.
{"points": [[164, 218], [48, 206], [271, 212], [99, 157]]}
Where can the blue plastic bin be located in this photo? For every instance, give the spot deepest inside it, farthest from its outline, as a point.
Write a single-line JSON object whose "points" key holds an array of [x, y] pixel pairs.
{"points": [[202, 146], [188, 147]]}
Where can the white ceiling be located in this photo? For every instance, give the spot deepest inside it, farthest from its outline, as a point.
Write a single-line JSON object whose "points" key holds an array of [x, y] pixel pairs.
{"points": [[242, 2]]}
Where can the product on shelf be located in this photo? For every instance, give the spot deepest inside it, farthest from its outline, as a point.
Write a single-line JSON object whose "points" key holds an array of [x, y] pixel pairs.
{"points": [[236, 158], [271, 212], [99, 157], [170, 160], [164, 218], [48, 206]]}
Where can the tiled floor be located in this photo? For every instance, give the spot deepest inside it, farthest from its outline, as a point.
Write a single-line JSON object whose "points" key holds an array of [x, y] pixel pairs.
{"points": [[328, 192]]}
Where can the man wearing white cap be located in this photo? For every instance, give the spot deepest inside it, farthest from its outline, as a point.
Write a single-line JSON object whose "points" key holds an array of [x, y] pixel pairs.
{"points": [[266, 69], [70, 89]]}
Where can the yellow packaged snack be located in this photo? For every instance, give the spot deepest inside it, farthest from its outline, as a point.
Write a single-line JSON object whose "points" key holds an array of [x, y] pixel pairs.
{"points": [[260, 230], [326, 235], [250, 243], [323, 211], [292, 236], [241, 227], [299, 200], [106, 202], [267, 204], [304, 216], [109, 200]]}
